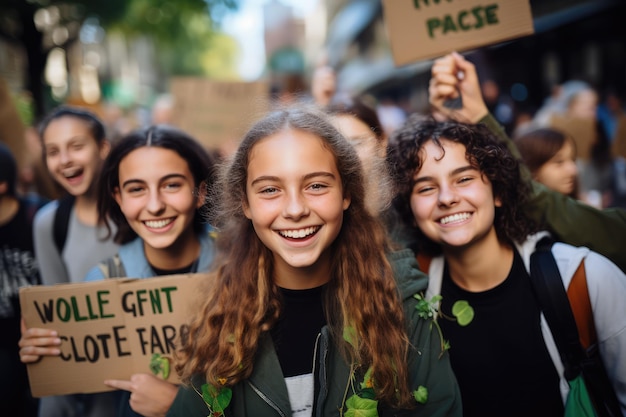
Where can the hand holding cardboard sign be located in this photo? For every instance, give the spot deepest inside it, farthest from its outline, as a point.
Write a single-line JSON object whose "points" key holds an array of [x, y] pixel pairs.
{"points": [[150, 396], [452, 75], [36, 342]]}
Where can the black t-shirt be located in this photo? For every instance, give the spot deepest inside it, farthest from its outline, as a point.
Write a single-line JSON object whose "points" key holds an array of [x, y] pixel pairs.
{"points": [[500, 358], [18, 268], [294, 335]]}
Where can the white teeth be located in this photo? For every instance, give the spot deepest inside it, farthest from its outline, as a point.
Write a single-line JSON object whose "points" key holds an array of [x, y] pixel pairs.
{"points": [[71, 173], [455, 218], [157, 224], [298, 234]]}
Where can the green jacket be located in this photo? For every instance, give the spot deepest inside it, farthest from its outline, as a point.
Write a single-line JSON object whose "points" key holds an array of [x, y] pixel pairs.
{"points": [[571, 221], [265, 392]]}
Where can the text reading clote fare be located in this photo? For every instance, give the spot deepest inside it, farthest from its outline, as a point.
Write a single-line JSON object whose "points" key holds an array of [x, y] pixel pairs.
{"points": [[114, 342], [462, 21]]}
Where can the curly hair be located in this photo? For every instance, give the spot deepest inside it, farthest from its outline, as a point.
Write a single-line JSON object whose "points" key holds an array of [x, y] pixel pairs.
{"points": [[483, 151], [223, 338], [201, 166]]}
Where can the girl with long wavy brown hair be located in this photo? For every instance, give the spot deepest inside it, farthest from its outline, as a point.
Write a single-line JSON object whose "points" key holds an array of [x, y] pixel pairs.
{"points": [[308, 312]]}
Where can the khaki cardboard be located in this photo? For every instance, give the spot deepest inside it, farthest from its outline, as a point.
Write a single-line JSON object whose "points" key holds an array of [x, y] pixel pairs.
{"points": [[583, 131], [424, 29], [619, 141], [109, 329], [214, 112]]}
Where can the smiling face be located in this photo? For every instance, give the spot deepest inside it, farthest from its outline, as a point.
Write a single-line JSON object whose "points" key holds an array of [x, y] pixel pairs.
{"points": [[295, 201], [73, 156], [453, 204], [157, 196], [559, 173]]}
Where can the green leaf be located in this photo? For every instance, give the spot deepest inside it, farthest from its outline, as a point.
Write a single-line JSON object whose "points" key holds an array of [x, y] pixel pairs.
{"points": [[350, 336], [367, 379], [216, 399], [160, 365], [463, 312], [421, 394], [165, 371], [155, 364], [361, 407]]}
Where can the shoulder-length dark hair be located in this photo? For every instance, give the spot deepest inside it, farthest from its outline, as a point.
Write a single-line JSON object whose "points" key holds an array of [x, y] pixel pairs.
{"points": [[540, 145], [224, 337], [357, 107], [200, 164], [483, 151]]}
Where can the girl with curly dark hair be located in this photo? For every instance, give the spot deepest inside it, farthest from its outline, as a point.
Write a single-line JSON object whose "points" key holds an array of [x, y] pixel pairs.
{"points": [[461, 191]]}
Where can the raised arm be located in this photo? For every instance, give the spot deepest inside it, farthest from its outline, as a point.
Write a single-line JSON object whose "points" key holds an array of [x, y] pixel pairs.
{"points": [[572, 221]]}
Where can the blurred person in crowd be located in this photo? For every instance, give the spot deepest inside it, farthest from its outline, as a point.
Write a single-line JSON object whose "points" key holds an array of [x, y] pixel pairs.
{"points": [[550, 155], [153, 188], [18, 268], [498, 103], [571, 221], [610, 110], [68, 237], [35, 180], [390, 114], [162, 110], [578, 100], [323, 85]]}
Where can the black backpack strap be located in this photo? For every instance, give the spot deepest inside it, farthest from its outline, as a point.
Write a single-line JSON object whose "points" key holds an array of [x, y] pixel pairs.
{"points": [[554, 302], [552, 297], [62, 221]]}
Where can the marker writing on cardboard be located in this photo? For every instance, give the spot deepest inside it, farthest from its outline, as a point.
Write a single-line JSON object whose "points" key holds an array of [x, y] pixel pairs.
{"points": [[69, 309]]}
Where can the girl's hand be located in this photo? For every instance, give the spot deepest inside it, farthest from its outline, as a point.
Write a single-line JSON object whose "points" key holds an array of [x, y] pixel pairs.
{"points": [[452, 75], [149, 395], [36, 343]]}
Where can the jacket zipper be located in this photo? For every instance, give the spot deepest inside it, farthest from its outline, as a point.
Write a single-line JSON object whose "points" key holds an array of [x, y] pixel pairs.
{"points": [[266, 399]]}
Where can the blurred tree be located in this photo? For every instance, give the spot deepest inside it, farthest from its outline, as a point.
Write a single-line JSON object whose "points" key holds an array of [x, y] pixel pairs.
{"points": [[181, 29], [39, 26], [184, 31]]}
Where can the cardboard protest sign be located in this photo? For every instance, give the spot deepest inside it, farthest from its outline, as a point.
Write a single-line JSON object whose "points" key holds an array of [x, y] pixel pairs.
{"points": [[109, 329], [423, 29], [217, 112], [618, 147], [583, 131]]}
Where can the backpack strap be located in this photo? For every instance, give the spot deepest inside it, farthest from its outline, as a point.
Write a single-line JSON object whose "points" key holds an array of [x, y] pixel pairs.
{"points": [[570, 318], [423, 262], [62, 221], [549, 290], [578, 295]]}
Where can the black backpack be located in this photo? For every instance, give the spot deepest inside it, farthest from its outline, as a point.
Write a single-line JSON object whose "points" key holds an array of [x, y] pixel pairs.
{"points": [[62, 221]]}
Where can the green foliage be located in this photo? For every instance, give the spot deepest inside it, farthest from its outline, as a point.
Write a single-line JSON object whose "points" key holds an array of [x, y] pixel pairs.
{"points": [[216, 399], [361, 407], [160, 365], [463, 312], [186, 33], [349, 335], [421, 394]]}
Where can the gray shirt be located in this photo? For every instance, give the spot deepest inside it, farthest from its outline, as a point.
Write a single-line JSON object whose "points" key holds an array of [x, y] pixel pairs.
{"points": [[83, 247]]}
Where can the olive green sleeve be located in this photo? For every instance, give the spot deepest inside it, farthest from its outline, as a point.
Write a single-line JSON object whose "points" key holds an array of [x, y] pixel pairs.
{"points": [[572, 221]]}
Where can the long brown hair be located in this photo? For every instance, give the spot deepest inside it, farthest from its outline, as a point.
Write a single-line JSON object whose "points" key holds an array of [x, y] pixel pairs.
{"points": [[223, 337]]}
